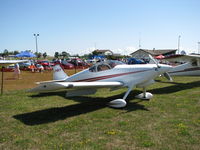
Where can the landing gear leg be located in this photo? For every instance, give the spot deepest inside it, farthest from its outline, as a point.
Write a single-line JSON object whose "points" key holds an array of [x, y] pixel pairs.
{"points": [[120, 103]]}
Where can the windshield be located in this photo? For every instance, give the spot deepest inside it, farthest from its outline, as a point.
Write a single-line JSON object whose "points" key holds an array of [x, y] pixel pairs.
{"points": [[102, 66]]}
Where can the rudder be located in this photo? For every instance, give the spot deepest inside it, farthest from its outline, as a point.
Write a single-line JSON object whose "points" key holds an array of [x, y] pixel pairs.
{"points": [[58, 73]]}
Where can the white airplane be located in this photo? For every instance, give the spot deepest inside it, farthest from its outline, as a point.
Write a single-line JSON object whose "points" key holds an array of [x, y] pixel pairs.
{"points": [[9, 62], [190, 65], [104, 74]]}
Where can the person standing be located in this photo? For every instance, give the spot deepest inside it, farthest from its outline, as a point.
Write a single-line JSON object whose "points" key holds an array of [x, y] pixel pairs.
{"points": [[17, 71], [32, 67]]}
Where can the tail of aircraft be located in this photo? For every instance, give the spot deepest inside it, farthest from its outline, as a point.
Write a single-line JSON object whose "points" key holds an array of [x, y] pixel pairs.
{"points": [[58, 73]]}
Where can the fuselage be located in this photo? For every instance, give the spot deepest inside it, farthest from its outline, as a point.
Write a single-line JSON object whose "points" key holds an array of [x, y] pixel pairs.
{"points": [[190, 65], [186, 69], [122, 73]]}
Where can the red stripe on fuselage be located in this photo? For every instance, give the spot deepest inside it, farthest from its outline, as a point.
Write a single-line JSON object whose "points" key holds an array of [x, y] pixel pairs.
{"points": [[108, 76]]}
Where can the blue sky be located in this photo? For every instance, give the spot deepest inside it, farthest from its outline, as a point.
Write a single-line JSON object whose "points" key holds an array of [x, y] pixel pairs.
{"points": [[77, 26]]}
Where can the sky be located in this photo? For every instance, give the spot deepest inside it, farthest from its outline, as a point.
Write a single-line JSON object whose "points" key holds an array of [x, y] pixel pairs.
{"points": [[80, 26]]}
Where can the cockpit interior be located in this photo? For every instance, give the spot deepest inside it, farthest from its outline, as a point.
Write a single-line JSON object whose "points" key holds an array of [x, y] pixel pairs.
{"points": [[102, 66]]}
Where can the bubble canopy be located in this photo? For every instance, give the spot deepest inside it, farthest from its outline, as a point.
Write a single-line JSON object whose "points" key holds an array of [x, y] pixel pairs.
{"points": [[105, 65]]}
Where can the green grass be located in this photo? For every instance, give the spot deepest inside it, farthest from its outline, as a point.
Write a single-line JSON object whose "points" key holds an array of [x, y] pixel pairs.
{"points": [[171, 120]]}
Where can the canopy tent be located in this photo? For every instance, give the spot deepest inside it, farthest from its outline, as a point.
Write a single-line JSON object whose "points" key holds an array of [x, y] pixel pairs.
{"points": [[160, 57], [25, 54]]}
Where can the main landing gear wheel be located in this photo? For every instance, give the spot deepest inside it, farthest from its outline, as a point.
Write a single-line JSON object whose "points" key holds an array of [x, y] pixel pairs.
{"points": [[145, 96], [117, 103]]}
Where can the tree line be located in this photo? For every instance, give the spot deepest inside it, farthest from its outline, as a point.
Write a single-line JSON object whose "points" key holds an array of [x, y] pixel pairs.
{"points": [[57, 54], [62, 54]]}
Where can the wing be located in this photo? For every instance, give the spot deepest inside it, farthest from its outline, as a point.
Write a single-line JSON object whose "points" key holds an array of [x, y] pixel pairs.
{"points": [[183, 58], [56, 86], [9, 62]]}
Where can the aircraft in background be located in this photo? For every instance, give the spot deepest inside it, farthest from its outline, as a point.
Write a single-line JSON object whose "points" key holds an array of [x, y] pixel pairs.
{"points": [[4, 63], [105, 74], [188, 65], [10, 62]]}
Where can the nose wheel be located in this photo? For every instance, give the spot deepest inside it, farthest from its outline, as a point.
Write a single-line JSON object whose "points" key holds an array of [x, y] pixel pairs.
{"points": [[145, 95]]}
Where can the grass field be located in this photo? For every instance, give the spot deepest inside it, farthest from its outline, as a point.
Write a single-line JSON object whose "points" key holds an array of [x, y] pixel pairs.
{"points": [[171, 120]]}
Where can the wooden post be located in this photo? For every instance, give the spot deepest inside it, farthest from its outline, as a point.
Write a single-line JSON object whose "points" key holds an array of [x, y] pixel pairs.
{"points": [[2, 69]]}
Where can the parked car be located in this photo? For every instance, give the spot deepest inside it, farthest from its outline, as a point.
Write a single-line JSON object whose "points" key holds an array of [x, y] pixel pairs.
{"points": [[10, 68], [79, 63], [67, 65], [51, 63], [39, 67], [43, 63], [24, 66]]}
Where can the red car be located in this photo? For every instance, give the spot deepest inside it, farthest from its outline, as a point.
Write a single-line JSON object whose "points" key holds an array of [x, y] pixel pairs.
{"points": [[43, 62], [8, 69], [64, 64], [67, 65], [79, 63]]}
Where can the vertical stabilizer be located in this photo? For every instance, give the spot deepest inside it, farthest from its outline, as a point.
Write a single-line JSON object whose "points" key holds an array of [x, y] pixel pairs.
{"points": [[58, 73]]}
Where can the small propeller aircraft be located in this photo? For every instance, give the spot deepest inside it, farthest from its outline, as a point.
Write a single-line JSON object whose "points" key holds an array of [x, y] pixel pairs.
{"points": [[4, 63], [105, 74], [188, 65]]}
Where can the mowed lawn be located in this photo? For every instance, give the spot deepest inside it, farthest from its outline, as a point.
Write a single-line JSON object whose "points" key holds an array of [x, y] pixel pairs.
{"points": [[171, 120]]}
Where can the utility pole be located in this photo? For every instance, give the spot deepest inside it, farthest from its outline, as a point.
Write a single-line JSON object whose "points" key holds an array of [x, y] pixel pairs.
{"points": [[139, 41], [36, 43], [95, 46], [198, 47], [179, 38]]}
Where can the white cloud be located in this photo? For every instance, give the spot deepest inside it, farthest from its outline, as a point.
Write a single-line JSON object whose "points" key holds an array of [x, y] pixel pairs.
{"points": [[125, 51], [122, 51], [188, 50], [86, 51]]}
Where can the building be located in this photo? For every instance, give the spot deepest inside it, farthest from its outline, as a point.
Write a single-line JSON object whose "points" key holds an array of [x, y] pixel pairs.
{"points": [[144, 53], [102, 52]]}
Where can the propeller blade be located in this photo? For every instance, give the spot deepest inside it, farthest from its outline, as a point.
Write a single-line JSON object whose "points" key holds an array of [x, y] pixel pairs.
{"points": [[154, 60], [166, 75]]}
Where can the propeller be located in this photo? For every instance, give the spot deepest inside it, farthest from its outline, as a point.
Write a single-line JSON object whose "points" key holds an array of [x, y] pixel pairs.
{"points": [[154, 61], [166, 75]]}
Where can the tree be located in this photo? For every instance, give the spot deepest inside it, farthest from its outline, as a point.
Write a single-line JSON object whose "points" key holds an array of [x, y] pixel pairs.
{"points": [[56, 55], [44, 55], [65, 54], [5, 53], [95, 52], [38, 54], [87, 56], [16, 52]]}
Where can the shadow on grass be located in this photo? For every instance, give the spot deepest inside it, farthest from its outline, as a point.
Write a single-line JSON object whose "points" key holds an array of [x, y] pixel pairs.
{"points": [[88, 104], [175, 87]]}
